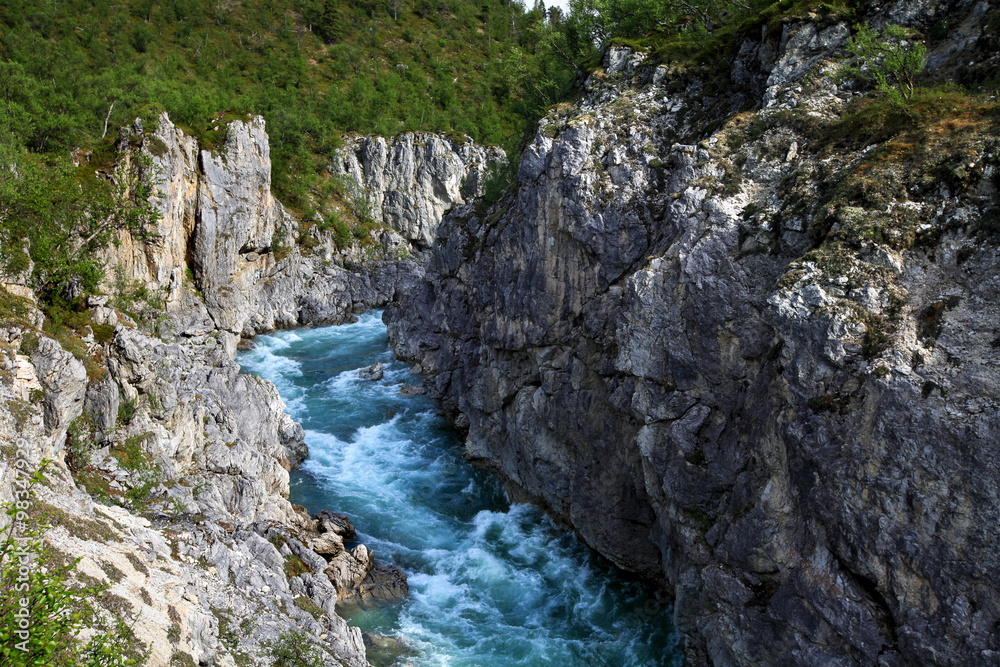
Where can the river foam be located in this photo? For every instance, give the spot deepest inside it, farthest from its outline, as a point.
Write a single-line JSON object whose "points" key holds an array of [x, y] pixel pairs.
{"points": [[491, 583]]}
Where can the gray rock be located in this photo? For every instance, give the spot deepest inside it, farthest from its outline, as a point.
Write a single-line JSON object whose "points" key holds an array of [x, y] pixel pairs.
{"points": [[335, 522], [373, 372], [65, 382], [101, 403], [409, 181], [714, 418]]}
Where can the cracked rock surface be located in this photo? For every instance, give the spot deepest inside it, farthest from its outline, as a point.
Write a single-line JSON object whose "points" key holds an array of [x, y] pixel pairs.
{"points": [[677, 336]]}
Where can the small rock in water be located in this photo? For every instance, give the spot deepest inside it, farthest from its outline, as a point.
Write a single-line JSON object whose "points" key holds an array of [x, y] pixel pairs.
{"points": [[411, 390], [373, 372]]}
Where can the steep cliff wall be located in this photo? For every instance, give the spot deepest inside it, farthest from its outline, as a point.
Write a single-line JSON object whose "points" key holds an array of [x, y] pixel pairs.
{"points": [[747, 345], [222, 233], [170, 467], [411, 180]]}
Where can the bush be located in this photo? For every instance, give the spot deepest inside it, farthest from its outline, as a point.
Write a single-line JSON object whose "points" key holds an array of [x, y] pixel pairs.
{"points": [[499, 177], [891, 60], [127, 410], [79, 443], [293, 649], [39, 594]]}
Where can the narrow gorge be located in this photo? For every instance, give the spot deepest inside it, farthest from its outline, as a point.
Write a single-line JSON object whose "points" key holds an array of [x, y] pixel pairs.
{"points": [[489, 582], [726, 346]]}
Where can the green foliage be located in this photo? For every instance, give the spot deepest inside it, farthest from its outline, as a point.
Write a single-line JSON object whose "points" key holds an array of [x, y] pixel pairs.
{"points": [[59, 217], [294, 649], [605, 19], [127, 410], [499, 176], [131, 455], [312, 68], [891, 60], [39, 588], [688, 23], [79, 443]]}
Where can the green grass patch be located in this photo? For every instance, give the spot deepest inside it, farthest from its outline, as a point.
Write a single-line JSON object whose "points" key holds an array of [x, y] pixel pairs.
{"points": [[131, 455], [305, 604]]}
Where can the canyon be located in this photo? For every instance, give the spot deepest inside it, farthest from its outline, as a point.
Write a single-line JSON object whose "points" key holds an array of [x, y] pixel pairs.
{"points": [[739, 353]]}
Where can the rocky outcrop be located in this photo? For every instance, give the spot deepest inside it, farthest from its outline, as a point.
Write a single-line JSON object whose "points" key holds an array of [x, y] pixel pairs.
{"points": [[178, 496], [237, 218], [703, 338], [411, 180], [222, 234]]}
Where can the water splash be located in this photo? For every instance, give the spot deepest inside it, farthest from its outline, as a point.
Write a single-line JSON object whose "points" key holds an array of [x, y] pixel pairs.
{"points": [[490, 583]]}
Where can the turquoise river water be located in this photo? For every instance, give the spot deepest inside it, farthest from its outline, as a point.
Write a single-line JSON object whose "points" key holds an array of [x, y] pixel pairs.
{"points": [[491, 583]]}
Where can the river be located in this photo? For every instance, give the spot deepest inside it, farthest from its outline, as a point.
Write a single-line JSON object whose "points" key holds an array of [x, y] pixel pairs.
{"points": [[491, 583]]}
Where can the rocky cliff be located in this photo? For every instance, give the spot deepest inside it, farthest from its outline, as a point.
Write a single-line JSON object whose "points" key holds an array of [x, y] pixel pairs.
{"points": [[222, 234], [169, 474], [742, 334], [410, 181]]}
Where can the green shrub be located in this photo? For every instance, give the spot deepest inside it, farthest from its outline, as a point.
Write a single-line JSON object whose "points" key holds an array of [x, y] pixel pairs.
{"points": [[127, 410], [39, 593], [890, 59], [294, 649], [131, 455], [79, 443], [499, 176]]}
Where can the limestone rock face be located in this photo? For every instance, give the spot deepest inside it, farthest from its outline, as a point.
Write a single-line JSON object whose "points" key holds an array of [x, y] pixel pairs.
{"points": [[64, 379], [222, 234], [412, 179], [162, 258], [101, 403], [659, 337], [237, 218]]}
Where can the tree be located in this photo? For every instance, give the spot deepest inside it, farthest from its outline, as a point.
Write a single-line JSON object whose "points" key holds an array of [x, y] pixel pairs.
{"points": [[891, 60]]}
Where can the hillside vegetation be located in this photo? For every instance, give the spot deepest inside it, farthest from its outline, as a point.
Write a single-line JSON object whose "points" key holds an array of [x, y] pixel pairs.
{"points": [[71, 72]]}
